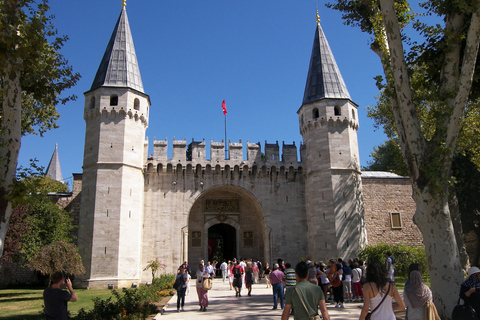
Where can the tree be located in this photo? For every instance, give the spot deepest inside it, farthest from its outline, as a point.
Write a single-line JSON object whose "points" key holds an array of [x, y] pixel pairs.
{"points": [[58, 256], [36, 220], [387, 157], [33, 74], [441, 70], [154, 265]]}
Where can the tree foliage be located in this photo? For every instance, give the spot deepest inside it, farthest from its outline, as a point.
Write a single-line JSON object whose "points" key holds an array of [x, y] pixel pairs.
{"points": [[58, 256], [37, 221], [387, 157], [31, 42]]}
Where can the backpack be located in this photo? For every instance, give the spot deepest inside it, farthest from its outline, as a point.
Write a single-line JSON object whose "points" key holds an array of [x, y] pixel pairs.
{"points": [[237, 273], [178, 284]]}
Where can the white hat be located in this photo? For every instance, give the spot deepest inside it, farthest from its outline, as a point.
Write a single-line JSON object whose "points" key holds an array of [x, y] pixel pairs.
{"points": [[471, 271]]}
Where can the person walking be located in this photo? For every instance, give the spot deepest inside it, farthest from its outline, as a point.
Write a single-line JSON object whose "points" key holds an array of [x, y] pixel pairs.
{"points": [[356, 282], [276, 279], [56, 298], [416, 295], [249, 278], [210, 270], [202, 294], [305, 297], [469, 290], [266, 274], [223, 268], [389, 266], [182, 273], [230, 269], [378, 294], [238, 273]]}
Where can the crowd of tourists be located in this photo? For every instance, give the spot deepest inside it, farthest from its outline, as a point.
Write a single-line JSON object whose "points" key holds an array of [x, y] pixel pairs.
{"points": [[305, 290]]}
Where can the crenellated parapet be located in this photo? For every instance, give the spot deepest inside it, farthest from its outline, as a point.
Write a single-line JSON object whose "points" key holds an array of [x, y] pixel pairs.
{"points": [[192, 157]]}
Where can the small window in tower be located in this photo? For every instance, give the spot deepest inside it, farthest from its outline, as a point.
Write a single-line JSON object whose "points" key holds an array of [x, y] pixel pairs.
{"points": [[92, 103], [337, 111], [136, 104], [396, 220], [316, 114], [353, 114], [114, 100]]}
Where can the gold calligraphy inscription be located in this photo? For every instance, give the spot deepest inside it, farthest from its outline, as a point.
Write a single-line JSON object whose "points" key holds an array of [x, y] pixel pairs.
{"points": [[222, 205]]}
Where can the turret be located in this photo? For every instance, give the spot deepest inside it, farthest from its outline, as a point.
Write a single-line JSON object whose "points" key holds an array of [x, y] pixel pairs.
{"points": [[116, 115], [328, 124]]}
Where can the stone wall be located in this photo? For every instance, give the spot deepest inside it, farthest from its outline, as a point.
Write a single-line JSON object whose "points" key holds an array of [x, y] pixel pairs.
{"points": [[382, 197]]}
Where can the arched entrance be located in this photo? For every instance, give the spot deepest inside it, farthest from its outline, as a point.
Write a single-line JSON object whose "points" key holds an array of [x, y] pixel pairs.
{"points": [[230, 221], [222, 242]]}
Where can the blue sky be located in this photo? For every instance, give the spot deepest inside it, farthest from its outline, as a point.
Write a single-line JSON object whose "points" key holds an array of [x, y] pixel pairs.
{"points": [[194, 54]]}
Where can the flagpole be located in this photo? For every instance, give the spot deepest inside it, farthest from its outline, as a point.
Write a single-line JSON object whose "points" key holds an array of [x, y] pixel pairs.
{"points": [[226, 144]]}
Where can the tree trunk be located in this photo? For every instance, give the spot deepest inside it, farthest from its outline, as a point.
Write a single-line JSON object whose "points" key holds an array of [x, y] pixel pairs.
{"points": [[457, 228], [10, 135], [432, 217]]}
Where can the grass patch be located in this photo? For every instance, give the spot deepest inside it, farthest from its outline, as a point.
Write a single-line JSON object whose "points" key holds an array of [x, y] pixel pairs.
{"points": [[26, 304]]}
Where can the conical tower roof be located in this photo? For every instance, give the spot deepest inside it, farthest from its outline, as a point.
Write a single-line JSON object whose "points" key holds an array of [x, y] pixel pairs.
{"points": [[53, 169], [119, 66], [324, 79]]}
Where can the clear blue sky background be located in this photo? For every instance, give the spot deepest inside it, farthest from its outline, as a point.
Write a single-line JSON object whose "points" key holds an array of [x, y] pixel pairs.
{"points": [[193, 54]]}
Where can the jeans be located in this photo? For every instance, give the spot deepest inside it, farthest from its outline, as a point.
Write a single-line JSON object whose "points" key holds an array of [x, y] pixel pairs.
{"points": [[181, 297], [278, 293]]}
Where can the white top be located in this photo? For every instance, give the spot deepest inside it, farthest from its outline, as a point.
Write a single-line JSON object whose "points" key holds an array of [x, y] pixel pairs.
{"points": [[324, 278], [385, 311], [413, 313], [356, 275], [223, 266], [200, 276]]}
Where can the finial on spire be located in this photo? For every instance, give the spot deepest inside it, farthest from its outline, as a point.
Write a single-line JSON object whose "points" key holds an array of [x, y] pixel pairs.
{"points": [[318, 18], [124, 3]]}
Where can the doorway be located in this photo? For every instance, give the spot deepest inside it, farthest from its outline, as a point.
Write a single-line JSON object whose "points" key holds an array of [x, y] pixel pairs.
{"points": [[222, 242]]}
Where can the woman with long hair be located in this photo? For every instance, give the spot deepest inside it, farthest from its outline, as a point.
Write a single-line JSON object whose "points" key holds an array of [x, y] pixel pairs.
{"points": [[249, 278], [378, 294], [416, 295]]}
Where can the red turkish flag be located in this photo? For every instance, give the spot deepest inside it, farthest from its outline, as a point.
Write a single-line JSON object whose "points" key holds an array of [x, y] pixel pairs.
{"points": [[224, 108]]}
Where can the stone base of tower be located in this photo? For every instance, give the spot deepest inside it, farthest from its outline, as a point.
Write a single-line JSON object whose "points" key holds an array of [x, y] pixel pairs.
{"points": [[104, 283]]}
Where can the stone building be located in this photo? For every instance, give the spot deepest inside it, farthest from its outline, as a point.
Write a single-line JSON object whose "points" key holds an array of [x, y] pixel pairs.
{"points": [[135, 208]]}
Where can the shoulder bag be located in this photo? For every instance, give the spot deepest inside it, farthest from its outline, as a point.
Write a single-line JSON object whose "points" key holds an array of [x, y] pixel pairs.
{"points": [[464, 312], [431, 311], [369, 315], [317, 317], [207, 284]]}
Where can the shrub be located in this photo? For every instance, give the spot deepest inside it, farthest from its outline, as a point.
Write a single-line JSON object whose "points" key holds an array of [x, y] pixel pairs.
{"points": [[402, 254], [133, 303]]}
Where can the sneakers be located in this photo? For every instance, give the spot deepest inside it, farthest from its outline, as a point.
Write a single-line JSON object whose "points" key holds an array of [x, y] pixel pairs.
{"points": [[342, 306], [336, 305], [183, 309]]}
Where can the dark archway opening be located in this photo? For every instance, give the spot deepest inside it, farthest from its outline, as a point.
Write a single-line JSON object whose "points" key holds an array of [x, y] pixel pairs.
{"points": [[222, 242]]}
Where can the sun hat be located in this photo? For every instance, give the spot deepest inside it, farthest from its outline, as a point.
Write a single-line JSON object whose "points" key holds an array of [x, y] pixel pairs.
{"points": [[471, 271]]}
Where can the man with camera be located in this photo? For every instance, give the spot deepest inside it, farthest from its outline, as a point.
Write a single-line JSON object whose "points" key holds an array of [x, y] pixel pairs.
{"points": [[56, 298]]}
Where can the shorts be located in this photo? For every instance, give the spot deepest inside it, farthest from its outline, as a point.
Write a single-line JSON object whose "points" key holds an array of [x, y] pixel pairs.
{"points": [[237, 282]]}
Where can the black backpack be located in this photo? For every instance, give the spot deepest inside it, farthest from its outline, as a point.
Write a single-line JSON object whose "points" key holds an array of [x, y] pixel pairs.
{"points": [[463, 312], [237, 273], [178, 283]]}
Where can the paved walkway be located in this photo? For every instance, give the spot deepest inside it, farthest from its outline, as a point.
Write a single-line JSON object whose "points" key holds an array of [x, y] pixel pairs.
{"points": [[224, 305]]}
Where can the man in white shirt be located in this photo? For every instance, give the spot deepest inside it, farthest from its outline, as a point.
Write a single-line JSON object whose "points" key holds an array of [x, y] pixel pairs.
{"points": [[223, 267]]}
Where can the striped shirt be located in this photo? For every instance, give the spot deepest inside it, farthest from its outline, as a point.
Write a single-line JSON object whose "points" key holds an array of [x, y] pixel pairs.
{"points": [[289, 278]]}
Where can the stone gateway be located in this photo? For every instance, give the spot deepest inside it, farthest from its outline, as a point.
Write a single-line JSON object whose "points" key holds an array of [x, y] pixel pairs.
{"points": [[135, 208]]}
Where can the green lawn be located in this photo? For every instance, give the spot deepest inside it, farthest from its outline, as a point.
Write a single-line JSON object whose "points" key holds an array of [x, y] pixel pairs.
{"points": [[26, 304]]}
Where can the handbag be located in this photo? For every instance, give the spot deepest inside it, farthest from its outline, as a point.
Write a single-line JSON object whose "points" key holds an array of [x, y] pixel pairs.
{"points": [[178, 285], [369, 315], [431, 311], [317, 317], [463, 312], [207, 284]]}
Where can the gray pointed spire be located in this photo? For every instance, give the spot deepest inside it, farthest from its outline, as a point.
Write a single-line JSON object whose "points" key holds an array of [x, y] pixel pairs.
{"points": [[324, 79], [119, 66], [53, 169]]}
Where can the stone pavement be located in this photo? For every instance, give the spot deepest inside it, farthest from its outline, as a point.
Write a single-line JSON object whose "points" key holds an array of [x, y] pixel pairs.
{"points": [[224, 305]]}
